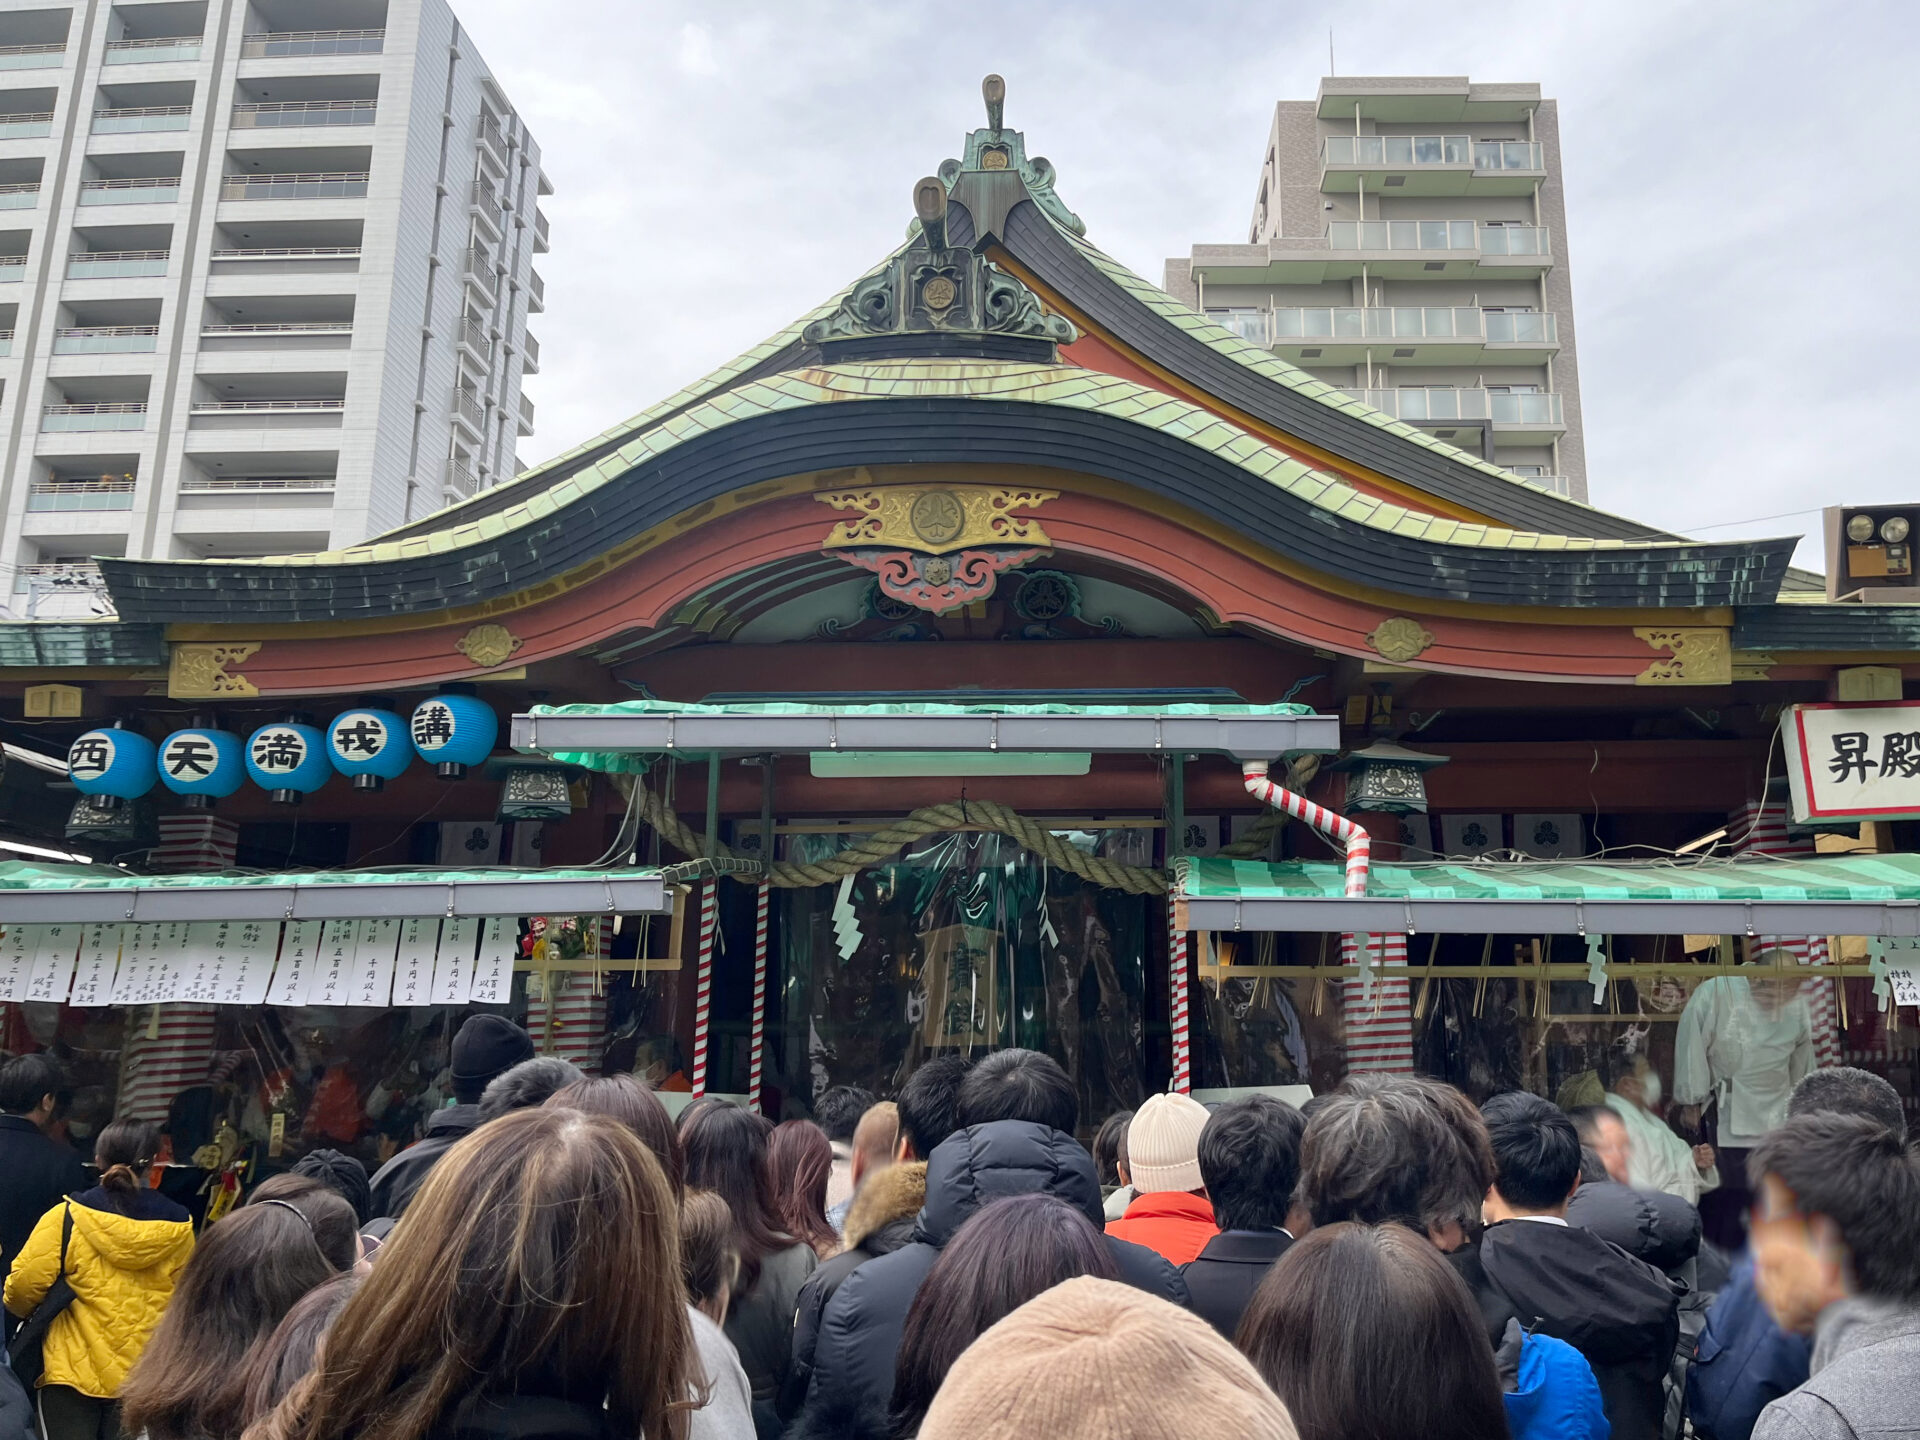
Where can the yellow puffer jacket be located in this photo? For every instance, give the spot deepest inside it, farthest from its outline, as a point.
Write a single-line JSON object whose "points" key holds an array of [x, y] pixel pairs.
{"points": [[122, 1270]]}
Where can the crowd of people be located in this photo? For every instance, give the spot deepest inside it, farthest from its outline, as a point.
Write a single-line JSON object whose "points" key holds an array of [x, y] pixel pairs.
{"points": [[558, 1259]]}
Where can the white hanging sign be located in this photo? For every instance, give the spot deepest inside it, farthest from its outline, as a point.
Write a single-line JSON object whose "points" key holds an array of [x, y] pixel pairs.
{"points": [[1853, 761], [453, 961], [1906, 986], [299, 954], [99, 959], [373, 963], [205, 940], [170, 963], [134, 954], [18, 945], [245, 965], [334, 972], [413, 966], [493, 970], [53, 960]]}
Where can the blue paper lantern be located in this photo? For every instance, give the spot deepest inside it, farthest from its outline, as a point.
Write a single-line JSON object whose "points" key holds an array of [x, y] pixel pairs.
{"points": [[288, 760], [451, 732], [116, 763], [371, 746], [203, 765]]}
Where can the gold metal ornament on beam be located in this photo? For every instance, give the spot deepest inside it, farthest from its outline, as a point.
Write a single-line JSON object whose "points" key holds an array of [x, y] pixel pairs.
{"points": [[1400, 639]]}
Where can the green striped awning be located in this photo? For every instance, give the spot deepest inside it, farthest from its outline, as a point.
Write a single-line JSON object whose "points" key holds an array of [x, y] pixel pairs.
{"points": [[1833, 895]]}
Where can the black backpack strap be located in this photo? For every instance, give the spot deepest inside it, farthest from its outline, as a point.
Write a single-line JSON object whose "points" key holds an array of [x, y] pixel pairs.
{"points": [[66, 1234]]}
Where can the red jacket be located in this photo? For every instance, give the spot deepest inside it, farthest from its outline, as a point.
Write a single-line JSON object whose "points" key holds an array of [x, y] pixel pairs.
{"points": [[1174, 1223]]}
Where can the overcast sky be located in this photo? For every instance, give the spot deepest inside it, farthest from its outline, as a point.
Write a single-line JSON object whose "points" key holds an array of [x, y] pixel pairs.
{"points": [[1741, 193]]}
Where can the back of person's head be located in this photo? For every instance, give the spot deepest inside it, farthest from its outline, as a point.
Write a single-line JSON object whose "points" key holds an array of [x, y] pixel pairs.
{"points": [[540, 1257], [124, 1152], [709, 1263], [1250, 1160], [627, 1099], [876, 1138], [1536, 1151], [247, 1272], [486, 1046], [1368, 1334], [799, 1163], [1380, 1149], [1110, 1146], [343, 1175], [1458, 1174], [1093, 1359], [1821, 1177], [930, 1102], [1018, 1085], [530, 1083], [1163, 1144], [727, 1154], [1002, 1257], [27, 1080], [330, 1219], [1845, 1090], [288, 1355], [839, 1110]]}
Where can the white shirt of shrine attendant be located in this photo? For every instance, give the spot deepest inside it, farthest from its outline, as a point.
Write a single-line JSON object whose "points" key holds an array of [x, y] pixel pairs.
{"points": [[1658, 1159], [1748, 1053]]}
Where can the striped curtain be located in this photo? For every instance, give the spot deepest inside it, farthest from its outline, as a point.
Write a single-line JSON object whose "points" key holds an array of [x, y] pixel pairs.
{"points": [[1379, 1025], [579, 1014]]}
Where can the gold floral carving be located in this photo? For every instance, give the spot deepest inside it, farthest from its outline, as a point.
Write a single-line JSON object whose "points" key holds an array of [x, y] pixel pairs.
{"points": [[1400, 639], [936, 519], [1699, 657], [489, 646], [206, 672]]}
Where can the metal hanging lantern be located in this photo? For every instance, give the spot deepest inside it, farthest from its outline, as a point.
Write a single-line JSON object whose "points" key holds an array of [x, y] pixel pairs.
{"points": [[288, 760], [370, 746], [109, 820], [535, 792], [1386, 778], [453, 731], [201, 765]]}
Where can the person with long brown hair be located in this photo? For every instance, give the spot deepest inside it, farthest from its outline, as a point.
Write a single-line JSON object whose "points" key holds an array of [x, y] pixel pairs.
{"points": [[1365, 1333], [727, 1153], [293, 1349], [800, 1157], [245, 1275], [123, 1250], [533, 1290]]}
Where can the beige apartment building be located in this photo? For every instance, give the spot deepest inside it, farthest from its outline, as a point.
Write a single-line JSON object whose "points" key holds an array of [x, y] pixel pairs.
{"points": [[1409, 245]]}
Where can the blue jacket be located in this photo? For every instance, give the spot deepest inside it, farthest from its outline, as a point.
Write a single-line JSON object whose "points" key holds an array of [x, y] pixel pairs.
{"points": [[1743, 1363], [1556, 1396]]}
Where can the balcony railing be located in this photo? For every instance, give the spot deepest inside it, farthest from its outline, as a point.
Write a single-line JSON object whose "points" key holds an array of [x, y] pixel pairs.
{"points": [[1395, 322], [6, 342], [474, 336], [526, 415], [59, 575], [282, 327], [277, 44], [12, 268], [115, 264], [107, 493], [467, 406], [33, 57], [536, 291], [1556, 483], [1462, 235], [302, 185], [20, 195], [103, 415], [1412, 151], [131, 119], [1430, 406], [274, 114], [106, 339], [139, 190], [25, 124], [479, 265], [540, 239], [147, 52], [460, 479], [318, 406], [530, 349], [489, 130], [218, 484], [290, 252]]}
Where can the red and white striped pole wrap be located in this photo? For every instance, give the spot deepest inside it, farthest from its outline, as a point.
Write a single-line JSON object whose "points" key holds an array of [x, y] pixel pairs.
{"points": [[1354, 840], [759, 997], [703, 985], [1177, 996]]}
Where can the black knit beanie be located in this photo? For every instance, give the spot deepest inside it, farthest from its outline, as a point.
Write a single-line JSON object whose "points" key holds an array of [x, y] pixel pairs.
{"points": [[486, 1046], [342, 1174]]}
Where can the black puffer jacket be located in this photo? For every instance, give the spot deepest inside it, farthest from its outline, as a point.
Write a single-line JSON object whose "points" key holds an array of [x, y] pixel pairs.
{"points": [[393, 1187], [1619, 1312], [859, 1340], [1649, 1225]]}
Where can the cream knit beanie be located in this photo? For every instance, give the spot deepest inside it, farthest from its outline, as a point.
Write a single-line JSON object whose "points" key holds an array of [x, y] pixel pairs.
{"points": [[1163, 1144], [1096, 1360]]}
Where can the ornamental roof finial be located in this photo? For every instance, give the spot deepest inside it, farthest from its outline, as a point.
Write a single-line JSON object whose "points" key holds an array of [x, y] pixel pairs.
{"points": [[995, 91]]}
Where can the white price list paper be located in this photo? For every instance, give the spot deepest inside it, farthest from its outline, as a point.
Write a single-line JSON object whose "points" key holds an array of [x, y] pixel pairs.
{"points": [[17, 946], [299, 953], [246, 950], [201, 958], [493, 970], [99, 959], [453, 961], [1906, 986], [338, 945], [373, 963], [53, 961], [413, 967], [134, 953], [171, 954]]}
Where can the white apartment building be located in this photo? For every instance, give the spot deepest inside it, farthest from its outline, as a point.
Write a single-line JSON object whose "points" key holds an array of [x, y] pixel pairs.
{"points": [[265, 274], [1409, 245]]}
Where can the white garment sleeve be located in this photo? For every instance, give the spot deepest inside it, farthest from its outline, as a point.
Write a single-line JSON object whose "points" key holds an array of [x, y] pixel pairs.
{"points": [[1692, 1070]]}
